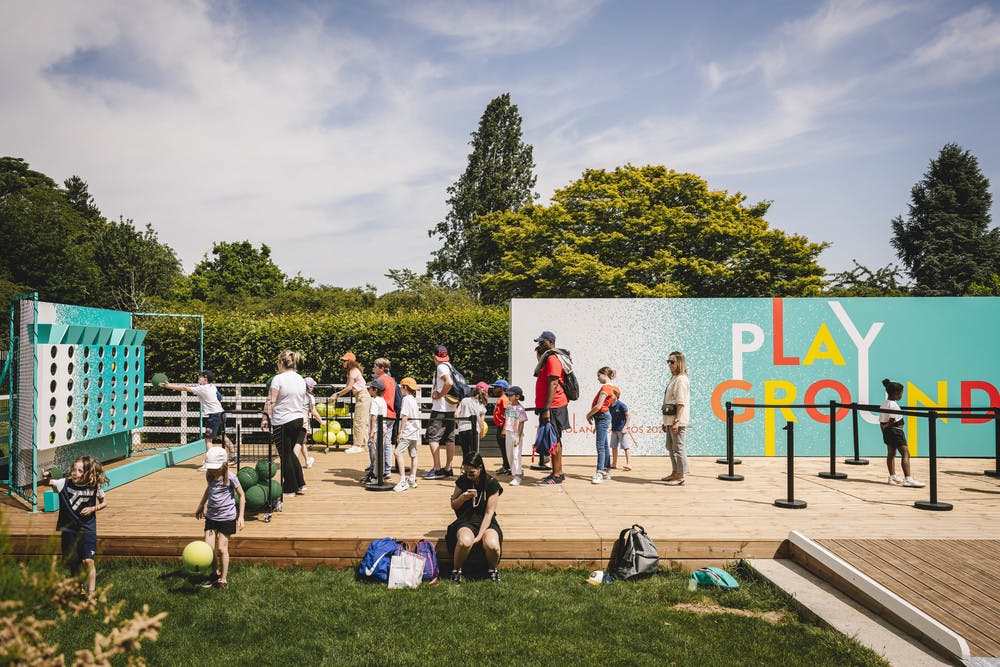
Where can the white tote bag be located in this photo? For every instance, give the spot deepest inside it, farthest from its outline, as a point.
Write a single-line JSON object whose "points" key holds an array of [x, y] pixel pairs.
{"points": [[406, 570]]}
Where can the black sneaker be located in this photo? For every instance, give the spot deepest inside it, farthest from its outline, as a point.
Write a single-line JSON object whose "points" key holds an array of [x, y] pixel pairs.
{"points": [[367, 479], [456, 576], [494, 575], [503, 471], [446, 473], [211, 580]]}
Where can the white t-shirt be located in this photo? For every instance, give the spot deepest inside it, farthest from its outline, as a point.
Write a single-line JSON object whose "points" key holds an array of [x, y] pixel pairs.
{"points": [[889, 405], [411, 411], [291, 400], [468, 407], [514, 414], [208, 396], [678, 392], [310, 404], [440, 404], [379, 407]]}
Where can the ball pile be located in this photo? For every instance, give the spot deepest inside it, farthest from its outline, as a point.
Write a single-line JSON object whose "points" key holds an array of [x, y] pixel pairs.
{"points": [[257, 482]]}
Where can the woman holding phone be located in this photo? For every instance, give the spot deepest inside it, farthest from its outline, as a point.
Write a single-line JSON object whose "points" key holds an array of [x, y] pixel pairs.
{"points": [[474, 501]]}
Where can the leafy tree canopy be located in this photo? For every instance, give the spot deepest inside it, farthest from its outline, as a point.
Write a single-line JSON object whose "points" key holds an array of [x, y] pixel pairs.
{"points": [[237, 269], [862, 281], [647, 232], [945, 243]]}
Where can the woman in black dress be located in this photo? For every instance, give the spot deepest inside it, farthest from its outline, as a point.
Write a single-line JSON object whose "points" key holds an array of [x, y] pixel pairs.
{"points": [[475, 503]]}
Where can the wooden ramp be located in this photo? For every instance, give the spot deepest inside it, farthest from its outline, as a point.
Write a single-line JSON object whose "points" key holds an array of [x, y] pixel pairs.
{"points": [[706, 521], [956, 582]]}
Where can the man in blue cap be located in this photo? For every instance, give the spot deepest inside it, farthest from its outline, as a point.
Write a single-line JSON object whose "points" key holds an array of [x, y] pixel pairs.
{"points": [[551, 403], [499, 389]]}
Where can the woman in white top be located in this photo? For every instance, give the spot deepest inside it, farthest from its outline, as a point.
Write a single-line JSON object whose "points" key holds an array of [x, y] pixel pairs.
{"points": [[362, 401], [677, 417], [283, 410]]}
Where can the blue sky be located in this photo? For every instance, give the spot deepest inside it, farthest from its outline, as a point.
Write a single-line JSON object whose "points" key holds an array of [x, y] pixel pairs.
{"points": [[330, 130]]}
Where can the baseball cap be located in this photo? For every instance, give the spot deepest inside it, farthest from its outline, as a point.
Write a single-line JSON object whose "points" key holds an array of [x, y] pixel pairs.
{"points": [[376, 384], [409, 383], [310, 383], [215, 458], [482, 386], [514, 391], [349, 356], [501, 383], [440, 351], [546, 335]]}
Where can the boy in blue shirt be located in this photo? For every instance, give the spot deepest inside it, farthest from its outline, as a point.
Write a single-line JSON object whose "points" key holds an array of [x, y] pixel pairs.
{"points": [[619, 422]]}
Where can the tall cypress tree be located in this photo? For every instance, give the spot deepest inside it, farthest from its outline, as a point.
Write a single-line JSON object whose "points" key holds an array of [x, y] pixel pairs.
{"points": [[499, 177], [946, 242]]}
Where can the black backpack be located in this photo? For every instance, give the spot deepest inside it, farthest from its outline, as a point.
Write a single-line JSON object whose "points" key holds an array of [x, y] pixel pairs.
{"points": [[459, 387], [634, 555], [570, 384]]}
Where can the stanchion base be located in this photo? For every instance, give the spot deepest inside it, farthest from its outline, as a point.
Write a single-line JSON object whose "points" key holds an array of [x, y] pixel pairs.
{"points": [[535, 466], [856, 462], [725, 462], [928, 505], [790, 503], [731, 478], [833, 475], [992, 473], [375, 486]]}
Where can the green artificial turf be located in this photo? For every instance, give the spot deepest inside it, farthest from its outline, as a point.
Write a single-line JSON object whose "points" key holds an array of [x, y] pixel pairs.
{"points": [[271, 616]]}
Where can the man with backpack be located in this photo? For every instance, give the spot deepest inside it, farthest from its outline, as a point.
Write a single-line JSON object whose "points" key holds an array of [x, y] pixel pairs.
{"points": [[551, 403], [441, 427]]}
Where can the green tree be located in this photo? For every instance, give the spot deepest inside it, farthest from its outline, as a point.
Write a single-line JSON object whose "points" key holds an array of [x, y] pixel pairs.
{"points": [[945, 243], [862, 281], [647, 232], [136, 266], [499, 177], [236, 270], [78, 195]]}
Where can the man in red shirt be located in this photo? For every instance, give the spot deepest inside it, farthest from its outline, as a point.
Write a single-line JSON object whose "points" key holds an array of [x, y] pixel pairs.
{"points": [[550, 399]]}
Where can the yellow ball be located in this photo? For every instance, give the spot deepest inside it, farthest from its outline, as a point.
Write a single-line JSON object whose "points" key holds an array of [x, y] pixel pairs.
{"points": [[197, 557]]}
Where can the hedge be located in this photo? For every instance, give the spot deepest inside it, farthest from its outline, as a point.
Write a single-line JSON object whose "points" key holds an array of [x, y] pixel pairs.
{"points": [[243, 347]]}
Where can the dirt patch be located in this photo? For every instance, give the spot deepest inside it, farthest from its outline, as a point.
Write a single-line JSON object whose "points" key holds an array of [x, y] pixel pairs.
{"points": [[709, 607]]}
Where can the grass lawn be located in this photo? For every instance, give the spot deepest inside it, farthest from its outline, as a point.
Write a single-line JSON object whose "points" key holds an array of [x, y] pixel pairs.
{"points": [[272, 616]]}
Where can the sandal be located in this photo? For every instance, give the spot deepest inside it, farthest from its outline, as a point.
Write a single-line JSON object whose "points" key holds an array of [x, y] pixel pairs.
{"points": [[675, 482], [626, 467]]}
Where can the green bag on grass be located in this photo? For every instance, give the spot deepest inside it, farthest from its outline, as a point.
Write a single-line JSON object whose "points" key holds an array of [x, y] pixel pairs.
{"points": [[713, 577]]}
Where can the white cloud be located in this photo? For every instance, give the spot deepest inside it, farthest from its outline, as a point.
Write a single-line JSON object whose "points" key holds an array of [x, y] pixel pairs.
{"points": [[516, 26], [966, 48]]}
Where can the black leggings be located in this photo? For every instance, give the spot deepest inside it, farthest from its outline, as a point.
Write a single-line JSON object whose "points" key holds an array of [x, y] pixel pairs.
{"points": [[285, 437]]}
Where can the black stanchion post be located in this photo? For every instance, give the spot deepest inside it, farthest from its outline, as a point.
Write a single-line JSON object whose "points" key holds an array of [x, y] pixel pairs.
{"points": [[379, 483], [857, 460], [790, 502], [833, 474], [729, 460], [474, 422], [730, 446], [996, 426], [933, 503]]}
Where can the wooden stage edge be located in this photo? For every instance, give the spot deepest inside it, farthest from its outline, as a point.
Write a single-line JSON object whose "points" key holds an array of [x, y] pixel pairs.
{"points": [[706, 521]]}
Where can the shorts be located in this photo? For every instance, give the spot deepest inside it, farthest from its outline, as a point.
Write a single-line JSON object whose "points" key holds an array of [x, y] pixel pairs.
{"points": [[227, 528], [618, 439], [78, 546], [441, 428], [560, 419], [406, 445], [215, 425]]}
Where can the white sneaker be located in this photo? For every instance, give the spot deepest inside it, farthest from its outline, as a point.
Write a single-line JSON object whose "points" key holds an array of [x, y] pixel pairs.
{"points": [[202, 468], [412, 481], [909, 481], [309, 461], [605, 474], [302, 490], [402, 486], [353, 449], [597, 478], [895, 480], [516, 481]]}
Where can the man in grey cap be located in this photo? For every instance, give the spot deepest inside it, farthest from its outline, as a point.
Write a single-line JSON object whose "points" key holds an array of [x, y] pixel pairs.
{"points": [[550, 399]]}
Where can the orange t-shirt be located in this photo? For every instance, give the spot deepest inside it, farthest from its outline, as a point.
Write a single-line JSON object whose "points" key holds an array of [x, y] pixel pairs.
{"points": [[605, 396], [389, 394]]}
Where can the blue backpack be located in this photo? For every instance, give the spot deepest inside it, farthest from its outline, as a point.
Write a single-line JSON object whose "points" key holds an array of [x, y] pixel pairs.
{"points": [[375, 563], [459, 387], [426, 549], [714, 577]]}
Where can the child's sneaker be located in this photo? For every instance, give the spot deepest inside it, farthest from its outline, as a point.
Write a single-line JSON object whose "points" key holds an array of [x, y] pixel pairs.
{"points": [[597, 478], [516, 481], [909, 481], [432, 474], [895, 480], [605, 474], [413, 481], [494, 575], [309, 461], [202, 468], [211, 580], [456, 576], [401, 486]]}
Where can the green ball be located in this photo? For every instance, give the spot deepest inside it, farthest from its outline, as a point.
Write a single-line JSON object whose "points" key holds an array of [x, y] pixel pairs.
{"points": [[265, 472], [256, 496], [158, 379], [276, 489], [197, 557], [247, 477]]}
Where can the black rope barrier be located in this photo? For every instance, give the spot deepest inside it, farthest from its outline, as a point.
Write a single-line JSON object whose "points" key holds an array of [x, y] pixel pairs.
{"points": [[996, 426], [732, 476], [933, 503], [833, 474], [790, 502], [857, 460], [379, 483]]}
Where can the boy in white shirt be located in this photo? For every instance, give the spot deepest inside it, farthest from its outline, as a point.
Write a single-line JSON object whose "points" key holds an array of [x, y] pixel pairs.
{"points": [[211, 407], [409, 433], [379, 408]]}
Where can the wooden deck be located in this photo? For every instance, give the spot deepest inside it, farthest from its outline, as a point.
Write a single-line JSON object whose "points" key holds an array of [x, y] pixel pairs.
{"points": [[704, 521], [953, 581]]}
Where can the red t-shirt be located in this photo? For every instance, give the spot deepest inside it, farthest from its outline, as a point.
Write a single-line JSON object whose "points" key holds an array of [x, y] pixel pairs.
{"points": [[499, 412], [389, 394], [607, 399], [551, 367]]}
